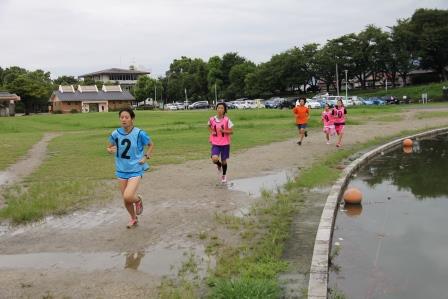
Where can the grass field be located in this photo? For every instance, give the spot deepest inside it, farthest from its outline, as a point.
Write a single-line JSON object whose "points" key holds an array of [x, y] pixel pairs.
{"points": [[78, 162], [433, 90]]}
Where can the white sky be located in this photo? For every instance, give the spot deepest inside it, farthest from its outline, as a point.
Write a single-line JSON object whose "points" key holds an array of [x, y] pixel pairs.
{"points": [[76, 37]]}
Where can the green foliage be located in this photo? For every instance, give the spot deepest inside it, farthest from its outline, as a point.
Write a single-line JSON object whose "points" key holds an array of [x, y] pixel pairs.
{"points": [[65, 80], [430, 28], [246, 288], [147, 87], [34, 88]]}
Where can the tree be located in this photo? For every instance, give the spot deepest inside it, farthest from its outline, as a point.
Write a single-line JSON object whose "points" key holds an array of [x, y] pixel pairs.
{"points": [[431, 29], [34, 88], [237, 79], [403, 48], [65, 80]]}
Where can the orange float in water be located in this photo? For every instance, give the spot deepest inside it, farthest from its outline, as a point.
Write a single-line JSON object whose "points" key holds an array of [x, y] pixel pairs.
{"points": [[407, 149], [407, 142], [352, 196]]}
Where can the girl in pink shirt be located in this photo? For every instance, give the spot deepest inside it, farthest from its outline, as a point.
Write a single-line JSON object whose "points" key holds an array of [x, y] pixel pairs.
{"points": [[338, 114], [220, 128], [327, 120]]}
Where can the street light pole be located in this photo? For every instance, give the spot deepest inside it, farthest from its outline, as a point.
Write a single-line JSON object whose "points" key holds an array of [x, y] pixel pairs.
{"points": [[346, 90], [337, 80], [216, 95]]}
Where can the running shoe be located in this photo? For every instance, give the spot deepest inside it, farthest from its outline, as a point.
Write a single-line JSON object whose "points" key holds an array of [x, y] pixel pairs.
{"points": [[224, 179], [328, 142], [306, 134], [132, 223], [139, 205], [299, 142]]}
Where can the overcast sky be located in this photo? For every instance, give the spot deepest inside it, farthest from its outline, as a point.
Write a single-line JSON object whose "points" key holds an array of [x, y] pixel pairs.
{"points": [[76, 37]]}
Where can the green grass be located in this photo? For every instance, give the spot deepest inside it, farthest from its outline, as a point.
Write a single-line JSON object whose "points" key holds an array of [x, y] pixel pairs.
{"points": [[78, 156], [433, 90], [78, 160], [15, 145]]}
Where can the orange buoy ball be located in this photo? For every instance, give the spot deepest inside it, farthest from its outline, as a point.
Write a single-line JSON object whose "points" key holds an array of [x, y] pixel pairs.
{"points": [[407, 142], [407, 149], [352, 196]]}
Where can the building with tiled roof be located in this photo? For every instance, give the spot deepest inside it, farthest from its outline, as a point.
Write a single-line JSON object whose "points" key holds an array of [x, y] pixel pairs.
{"points": [[8, 103], [90, 98]]}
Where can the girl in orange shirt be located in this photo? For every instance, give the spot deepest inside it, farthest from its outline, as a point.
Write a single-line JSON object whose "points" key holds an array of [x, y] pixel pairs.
{"points": [[302, 114]]}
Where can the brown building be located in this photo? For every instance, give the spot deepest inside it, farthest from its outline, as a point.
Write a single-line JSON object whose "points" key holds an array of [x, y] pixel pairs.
{"points": [[90, 99], [8, 103]]}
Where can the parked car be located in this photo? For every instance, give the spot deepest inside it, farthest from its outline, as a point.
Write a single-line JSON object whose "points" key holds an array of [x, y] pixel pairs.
{"points": [[312, 104], [239, 104], [272, 103], [199, 105], [356, 100], [170, 106], [368, 102], [288, 103], [391, 100], [180, 106]]}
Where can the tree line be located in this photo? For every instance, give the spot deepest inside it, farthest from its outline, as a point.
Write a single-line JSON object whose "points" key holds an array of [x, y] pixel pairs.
{"points": [[418, 42]]}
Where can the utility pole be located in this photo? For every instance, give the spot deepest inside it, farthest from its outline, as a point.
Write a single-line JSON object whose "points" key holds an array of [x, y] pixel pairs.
{"points": [[337, 80], [346, 90], [216, 95]]}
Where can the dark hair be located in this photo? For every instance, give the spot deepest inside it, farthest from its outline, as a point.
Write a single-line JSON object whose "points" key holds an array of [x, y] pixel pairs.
{"points": [[224, 105], [128, 110], [302, 98]]}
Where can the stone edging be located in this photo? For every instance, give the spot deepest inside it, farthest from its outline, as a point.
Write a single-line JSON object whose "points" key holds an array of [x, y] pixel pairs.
{"points": [[318, 282]]}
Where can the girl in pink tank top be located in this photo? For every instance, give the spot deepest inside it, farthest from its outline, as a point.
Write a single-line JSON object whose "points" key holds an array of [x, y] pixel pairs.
{"points": [[327, 119], [220, 128], [339, 113]]}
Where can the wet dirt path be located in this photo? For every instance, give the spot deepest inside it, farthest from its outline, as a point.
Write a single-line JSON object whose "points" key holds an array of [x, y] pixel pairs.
{"points": [[88, 254]]}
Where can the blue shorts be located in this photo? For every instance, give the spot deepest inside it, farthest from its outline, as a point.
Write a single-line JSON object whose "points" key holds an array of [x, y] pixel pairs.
{"points": [[301, 126], [221, 150], [128, 175]]}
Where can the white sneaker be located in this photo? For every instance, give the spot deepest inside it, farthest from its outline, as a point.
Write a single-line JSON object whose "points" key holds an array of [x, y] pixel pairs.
{"points": [[328, 142], [223, 179]]}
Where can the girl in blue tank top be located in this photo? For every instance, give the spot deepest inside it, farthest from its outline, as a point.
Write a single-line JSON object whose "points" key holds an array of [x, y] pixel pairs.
{"points": [[128, 146]]}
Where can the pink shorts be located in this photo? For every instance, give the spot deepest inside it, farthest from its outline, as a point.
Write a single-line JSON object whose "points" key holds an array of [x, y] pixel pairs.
{"points": [[339, 129], [330, 130]]}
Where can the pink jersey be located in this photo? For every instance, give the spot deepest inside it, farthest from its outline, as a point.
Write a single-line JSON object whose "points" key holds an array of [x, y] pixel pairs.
{"points": [[327, 118], [339, 115], [216, 137]]}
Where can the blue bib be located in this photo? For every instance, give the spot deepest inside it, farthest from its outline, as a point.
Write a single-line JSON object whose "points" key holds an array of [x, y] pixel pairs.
{"points": [[130, 147]]}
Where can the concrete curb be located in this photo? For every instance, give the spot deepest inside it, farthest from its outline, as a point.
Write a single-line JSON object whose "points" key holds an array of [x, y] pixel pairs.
{"points": [[318, 283]]}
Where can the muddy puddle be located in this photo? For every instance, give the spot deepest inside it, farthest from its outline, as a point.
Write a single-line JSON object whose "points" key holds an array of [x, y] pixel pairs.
{"points": [[77, 220], [254, 186], [160, 260]]}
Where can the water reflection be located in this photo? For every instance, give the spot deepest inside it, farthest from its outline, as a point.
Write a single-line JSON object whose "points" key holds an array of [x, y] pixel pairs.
{"points": [[353, 210], [133, 259], [423, 172]]}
